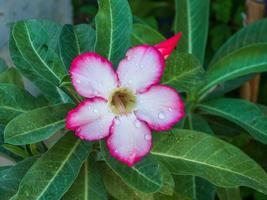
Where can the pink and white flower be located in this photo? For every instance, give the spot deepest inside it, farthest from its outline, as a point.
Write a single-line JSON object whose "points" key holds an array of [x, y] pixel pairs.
{"points": [[124, 106]]}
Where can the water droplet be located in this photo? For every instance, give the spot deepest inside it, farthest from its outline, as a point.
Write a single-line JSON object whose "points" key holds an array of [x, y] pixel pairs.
{"points": [[170, 109], [161, 115], [117, 121], [78, 81], [137, 124], [147, 137], [130, 81], [95, 110], [142, 66], [89, 107], [136, 65]]}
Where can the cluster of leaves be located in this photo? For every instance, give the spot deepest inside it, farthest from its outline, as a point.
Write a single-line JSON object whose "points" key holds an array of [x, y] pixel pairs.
{"points": [[195, 160]]}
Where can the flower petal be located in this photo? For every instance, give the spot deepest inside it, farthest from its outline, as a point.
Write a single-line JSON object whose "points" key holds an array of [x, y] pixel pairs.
{"points": [[166, 47], [161, 107], [142, 67], [130, 139], [93, 75], [91, 120]]}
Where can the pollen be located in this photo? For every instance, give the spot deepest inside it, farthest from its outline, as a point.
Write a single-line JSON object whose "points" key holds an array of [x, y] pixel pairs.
{"points": [[122, 101]]}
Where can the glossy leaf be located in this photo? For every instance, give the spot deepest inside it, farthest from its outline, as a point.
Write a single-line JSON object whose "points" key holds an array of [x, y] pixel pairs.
{"points": [[75, 40], [187, 153], [119, 190], [145, 176], [183, 72], [36, 125], [194, 187], [113, 29], [11, 177], [14, 101], [192, 19], [228, 193], [250, 35], [51, 175], [33, 46], [144, 34], [88, 184], [243, 113], [243, 62], [12, 76]]}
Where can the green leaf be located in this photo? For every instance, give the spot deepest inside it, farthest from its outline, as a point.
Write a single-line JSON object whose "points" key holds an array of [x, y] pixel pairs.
{"points": [[12, 76], [36, 125], [243, 113], [3, 65], [199, 123], [11, 177], [113, 29], [194, 187], [187, 153], [144, 34], [248, 36], [14, 101], [51, 176], [183, 72], [88, 184], [145, 176], [191, 18], [75, 40], [119, 190], [18, 151], [228, 193], [33, 46], [243, 62]]}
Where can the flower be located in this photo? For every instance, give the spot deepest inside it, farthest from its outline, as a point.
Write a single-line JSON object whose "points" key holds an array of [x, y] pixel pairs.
{"points": [[126, 105]]}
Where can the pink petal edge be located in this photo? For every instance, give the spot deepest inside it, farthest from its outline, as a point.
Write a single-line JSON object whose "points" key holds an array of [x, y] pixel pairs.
{"points": [[75, 67], [160, 72], [167, 46], [73, 127], [174, 121], [113, 153]]}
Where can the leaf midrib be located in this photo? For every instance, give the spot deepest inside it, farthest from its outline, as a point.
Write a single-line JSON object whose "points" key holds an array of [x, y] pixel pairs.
{"points": [[218, 80], [182, 75], [202, 163], [210, 108], [47, 67], [60, 168], [34, 130]]}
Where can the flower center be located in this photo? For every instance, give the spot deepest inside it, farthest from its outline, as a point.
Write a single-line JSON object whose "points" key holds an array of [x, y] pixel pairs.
{"points": [[122, 101]]}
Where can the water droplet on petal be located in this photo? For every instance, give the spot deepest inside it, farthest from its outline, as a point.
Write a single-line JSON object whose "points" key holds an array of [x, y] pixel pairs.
{"points": [[136, 65], [130, 81], [89, 107], [161, 115], [137, 124], [148, 137], [117, 121], [95, 110], [78, 81], [142, 66], [170, 109]]}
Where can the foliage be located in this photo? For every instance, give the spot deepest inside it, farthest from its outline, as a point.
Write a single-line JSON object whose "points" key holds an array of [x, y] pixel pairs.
{"points": [[216, 151]]}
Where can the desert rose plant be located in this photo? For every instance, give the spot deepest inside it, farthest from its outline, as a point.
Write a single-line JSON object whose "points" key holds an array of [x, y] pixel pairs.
{"points": [[131, 114]]}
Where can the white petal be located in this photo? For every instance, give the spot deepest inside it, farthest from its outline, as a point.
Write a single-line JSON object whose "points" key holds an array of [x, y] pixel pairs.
{"points": [[130, 139], [93, 75], [91, 120], [161, 107], [142, 67]]}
